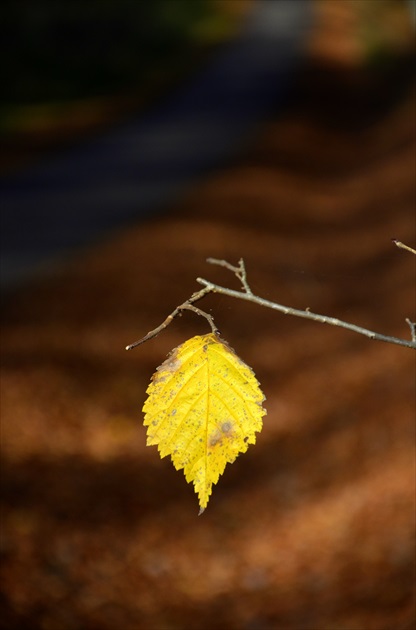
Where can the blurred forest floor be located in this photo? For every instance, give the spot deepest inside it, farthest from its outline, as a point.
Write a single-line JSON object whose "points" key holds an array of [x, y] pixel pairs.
{"points": [[313, 528]]}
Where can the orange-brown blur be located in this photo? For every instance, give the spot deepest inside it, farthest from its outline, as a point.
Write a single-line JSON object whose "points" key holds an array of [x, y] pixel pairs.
{"points": [[313, 528]]}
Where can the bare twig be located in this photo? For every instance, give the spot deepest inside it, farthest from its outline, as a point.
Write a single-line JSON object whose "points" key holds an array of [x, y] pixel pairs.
{"points": [[403, 246], [307, 314], [412, 326], [239, 271], [247, 295]]}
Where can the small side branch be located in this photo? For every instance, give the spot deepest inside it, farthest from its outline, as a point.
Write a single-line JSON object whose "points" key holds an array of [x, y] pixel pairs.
{"points": [[239, 271], [188, 305], [412, 326]]}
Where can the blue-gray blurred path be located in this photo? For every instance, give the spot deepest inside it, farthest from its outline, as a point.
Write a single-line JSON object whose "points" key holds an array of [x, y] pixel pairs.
{"points": [[72, 198]]}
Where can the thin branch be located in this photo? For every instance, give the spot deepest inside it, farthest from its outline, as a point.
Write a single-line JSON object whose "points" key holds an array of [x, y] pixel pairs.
{"points": [[247, 295], [286, 310]]}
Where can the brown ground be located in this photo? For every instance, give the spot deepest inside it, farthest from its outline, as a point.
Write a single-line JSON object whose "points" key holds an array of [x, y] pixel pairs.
{"points": [[312, 529]]}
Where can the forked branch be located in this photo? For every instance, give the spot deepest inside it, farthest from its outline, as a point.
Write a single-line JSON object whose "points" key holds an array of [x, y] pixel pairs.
{"points": [[187, 305], [246, 294]]}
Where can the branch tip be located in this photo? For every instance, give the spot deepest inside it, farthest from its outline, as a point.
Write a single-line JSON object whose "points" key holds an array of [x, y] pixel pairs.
{"points": [[412, 326], [401, 245]]}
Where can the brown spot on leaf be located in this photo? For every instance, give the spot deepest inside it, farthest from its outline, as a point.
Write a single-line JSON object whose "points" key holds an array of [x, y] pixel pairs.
{"points": [[215, 438]]}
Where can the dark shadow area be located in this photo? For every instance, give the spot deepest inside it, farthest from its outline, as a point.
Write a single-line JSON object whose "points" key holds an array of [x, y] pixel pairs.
{"points": [[139, 167]]}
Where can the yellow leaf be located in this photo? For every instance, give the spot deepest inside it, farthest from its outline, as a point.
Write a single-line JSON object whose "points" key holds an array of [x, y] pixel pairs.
{"points": [[204, 408]]}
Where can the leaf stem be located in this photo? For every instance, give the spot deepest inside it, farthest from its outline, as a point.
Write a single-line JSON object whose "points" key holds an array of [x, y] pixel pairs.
{"points": [[198, 311]]}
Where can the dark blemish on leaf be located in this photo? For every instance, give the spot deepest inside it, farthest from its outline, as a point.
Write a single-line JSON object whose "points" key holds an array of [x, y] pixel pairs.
{"points": [[172, 364], [226, 426], [225, 429]]}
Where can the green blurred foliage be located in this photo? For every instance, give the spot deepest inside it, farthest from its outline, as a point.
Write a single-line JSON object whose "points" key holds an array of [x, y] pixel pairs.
{"points": [[386, 31], [59, 50]]}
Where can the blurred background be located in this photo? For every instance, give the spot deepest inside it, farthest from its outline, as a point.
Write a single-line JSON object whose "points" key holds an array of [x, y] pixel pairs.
{"points": [[138, 139]]}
